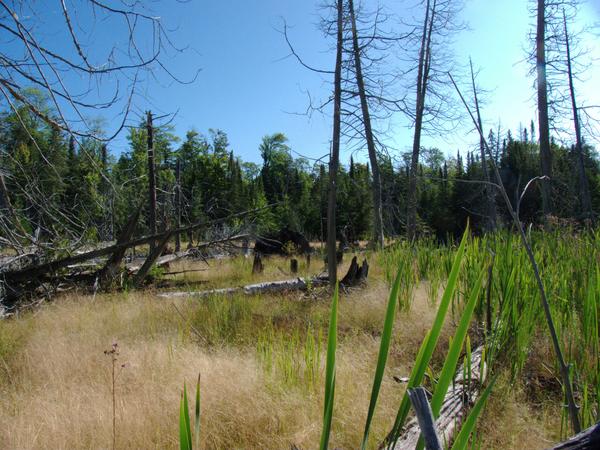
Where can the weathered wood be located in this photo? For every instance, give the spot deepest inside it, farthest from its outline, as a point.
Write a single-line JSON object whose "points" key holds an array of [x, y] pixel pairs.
{"points": [[40, 269], [293, 284], [266, 287], [420, 403], [294, 265], [457, 402], [111, 268], [586, 440], [151, 178], [140, 275], [356, 274], [160, 262], [257, 265]]}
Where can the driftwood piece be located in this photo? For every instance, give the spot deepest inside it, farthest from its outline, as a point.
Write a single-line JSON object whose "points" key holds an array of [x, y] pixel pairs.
{"points": [[459, 399], [586, 440], [420, 403]]}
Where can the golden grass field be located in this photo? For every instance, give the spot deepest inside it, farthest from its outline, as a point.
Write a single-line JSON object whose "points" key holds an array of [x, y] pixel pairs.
{"points": [[261, 361]]}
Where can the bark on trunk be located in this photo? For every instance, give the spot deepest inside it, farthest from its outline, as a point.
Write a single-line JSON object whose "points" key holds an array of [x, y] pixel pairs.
{"points": [[488, 189], [151, 179], [178, 204], [542, 97], [335, 152], [422, 78], [376, 192], [586, 202]]}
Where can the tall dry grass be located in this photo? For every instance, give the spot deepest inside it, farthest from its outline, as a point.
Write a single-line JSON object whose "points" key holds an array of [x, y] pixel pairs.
{"points": [[55, 389]]}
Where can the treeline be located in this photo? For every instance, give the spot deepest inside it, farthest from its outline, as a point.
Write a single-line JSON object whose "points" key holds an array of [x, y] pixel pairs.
{"points": [[56, 185]]}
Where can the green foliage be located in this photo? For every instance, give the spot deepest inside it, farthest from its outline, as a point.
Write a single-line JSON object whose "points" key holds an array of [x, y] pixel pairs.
{"points": [[330, 372], [185, 430]]}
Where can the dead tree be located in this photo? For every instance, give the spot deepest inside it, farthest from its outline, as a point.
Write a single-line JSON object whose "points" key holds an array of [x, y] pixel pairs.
{"points": [[40, 54], [542, 103], [586, 202], [151, 178], [366, 119], [334, 158], [488, 188], [178, 203], [439, 25]]}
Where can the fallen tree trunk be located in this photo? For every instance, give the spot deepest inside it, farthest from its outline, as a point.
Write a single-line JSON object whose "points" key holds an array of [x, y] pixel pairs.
{"points": [[294, 284], [354, 276], [459, 399], [51, 266]]}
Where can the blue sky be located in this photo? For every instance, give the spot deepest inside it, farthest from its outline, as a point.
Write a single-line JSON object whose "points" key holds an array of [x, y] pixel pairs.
{"points": [[249, 89]]}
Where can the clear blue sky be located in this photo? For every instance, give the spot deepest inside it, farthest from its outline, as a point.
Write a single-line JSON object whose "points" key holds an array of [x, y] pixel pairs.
{"points": [[248, 89]]}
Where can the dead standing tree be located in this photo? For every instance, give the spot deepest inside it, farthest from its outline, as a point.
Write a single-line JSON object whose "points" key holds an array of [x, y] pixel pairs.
{"points": [[542, 103], [586, 201], [431, 108], [378, 237], [151, 178], [334, 159], [367, 86], [490, 193]]}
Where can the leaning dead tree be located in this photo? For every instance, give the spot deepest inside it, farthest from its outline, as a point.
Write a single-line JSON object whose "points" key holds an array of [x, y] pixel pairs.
{"points": [[357, 50]]}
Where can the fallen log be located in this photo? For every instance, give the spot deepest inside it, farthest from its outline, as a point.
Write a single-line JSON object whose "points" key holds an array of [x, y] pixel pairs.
{"points": [[37, 270], [294, 284], [458, 400]]}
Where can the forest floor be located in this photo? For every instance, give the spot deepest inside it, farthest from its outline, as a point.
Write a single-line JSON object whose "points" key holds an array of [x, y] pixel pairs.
{"points": [[261, 360]]}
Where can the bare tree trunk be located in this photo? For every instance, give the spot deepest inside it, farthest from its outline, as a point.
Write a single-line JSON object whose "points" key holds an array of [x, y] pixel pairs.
{"points": [[376, 192], [335, 152], [151, 179], [422, 77], [586, 202], [489, 191], [178, 203], [542, 96]]}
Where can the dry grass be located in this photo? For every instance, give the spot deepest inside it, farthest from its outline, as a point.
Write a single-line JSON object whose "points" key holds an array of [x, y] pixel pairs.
{"points": [[56, 392]]}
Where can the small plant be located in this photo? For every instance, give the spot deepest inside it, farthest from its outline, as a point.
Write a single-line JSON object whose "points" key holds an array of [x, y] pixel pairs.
{"points": [[185, 430], [113, 353]]}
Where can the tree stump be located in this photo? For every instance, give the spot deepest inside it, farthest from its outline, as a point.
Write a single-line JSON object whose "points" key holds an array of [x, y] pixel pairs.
{"points": [[294, 265], [257, 264]]}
